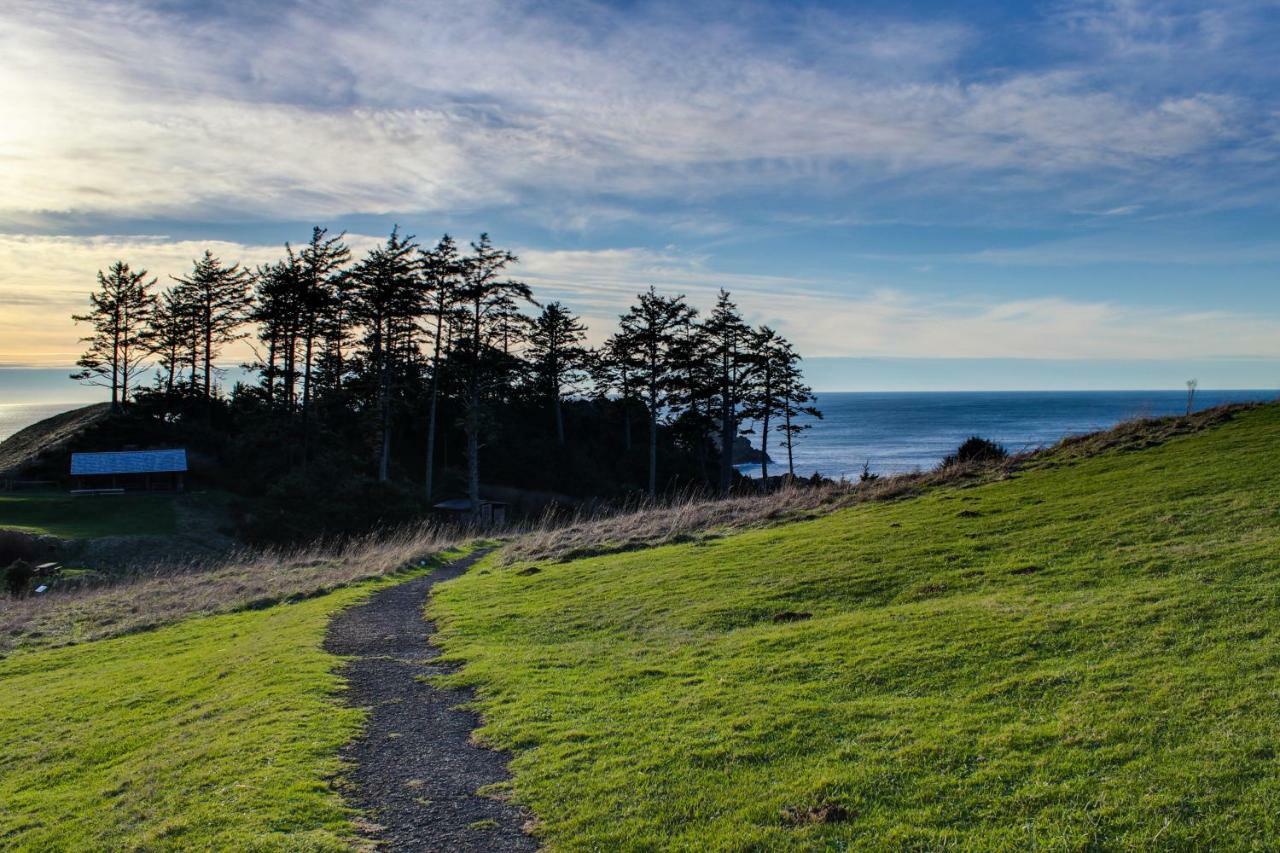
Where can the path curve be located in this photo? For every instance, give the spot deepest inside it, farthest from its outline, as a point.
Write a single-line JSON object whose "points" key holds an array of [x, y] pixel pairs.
{"points": [[414, 773]]}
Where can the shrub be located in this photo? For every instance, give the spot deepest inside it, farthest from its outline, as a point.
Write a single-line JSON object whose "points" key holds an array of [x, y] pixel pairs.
{"points": [[17, 577], [976, 451]]}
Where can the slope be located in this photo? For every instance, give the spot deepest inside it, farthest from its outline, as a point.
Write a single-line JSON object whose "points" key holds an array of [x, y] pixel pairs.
{"points": [[1084, 654]]}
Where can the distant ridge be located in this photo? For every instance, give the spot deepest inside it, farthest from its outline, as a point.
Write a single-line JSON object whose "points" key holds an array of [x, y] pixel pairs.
{"points": [[25, 447]]}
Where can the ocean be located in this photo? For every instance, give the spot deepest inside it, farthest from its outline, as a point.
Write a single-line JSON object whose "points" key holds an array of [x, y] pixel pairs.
{"points": [[907, 431]]}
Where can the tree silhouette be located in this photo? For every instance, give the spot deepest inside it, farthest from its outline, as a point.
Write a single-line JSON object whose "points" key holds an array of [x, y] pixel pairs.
{"points": [[120, 343], [487, 297], [649, 335], [217, 299], [388, 300], [557, 358], [442, 271], [728, 345]]}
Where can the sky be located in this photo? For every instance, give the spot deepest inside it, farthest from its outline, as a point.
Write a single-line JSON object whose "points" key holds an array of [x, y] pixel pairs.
{"points": [[921, 195]]}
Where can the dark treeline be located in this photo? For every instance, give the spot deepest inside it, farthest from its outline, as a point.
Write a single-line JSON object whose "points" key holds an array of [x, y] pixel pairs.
{"points": [[415, 373]]}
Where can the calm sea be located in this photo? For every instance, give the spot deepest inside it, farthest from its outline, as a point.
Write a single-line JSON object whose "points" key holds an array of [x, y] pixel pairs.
{"points": [[15, 416], [899, 432]]}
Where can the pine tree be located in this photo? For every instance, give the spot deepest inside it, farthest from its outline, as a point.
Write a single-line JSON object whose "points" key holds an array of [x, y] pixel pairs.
{"points": [[320, 264], [797, 400], [387, 303], [727, 339], [648, 338], [558, 359], [485, 295], [442, 270], [170, 333], [277, 315], [769, 353], [218, 299], [120, 313], [613, 372]]}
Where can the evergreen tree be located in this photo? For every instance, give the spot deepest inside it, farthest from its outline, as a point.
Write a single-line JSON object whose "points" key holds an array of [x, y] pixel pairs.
{"points": [[486, 296], [387, 305], [649, 337], [170, 333], [613, 372], [277, 314], [218, 299], [727, 339], [442, 270], [120, 313], [320, 264], [797, 400], [770, 354], [558, 359]]}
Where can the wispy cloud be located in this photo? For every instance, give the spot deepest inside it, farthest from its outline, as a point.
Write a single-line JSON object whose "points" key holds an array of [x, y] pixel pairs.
{"points": [[119, 108]]}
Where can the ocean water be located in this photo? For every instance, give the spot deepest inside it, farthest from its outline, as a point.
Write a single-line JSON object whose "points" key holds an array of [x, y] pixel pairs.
{"points": [[15, 416], [906, 431]]}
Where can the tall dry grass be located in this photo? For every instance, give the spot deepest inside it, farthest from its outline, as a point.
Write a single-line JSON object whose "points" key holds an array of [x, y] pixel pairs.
{"points": [[167, 593]]}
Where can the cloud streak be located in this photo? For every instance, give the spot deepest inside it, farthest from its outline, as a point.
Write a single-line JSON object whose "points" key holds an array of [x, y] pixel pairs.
{"points": [[124, 110]]}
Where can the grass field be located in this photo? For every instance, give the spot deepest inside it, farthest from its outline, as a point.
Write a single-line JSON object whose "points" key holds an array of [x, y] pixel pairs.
{"points": [[217, 733], [1085, 655], [56, 513]]}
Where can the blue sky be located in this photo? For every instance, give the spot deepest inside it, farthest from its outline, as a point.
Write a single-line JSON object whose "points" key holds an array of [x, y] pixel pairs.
{"points": [[1079, 194]]}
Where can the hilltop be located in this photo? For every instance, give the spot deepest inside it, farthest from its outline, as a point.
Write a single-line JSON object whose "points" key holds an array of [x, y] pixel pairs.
{"points": [[25, 448]]}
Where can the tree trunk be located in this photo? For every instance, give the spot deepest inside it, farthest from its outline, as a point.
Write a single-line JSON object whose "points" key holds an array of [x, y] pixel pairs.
{"points": [[559, 419], [764, 450], [384, 406], [306, 399], [786, 422], [435, 394], [473, 455], [208, 356], [726, 438], [271, 369], [653, 448], [115, 368]]}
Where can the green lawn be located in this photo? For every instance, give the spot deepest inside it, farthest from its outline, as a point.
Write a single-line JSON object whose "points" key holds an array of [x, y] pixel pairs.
{"points": [[1087, 655], [87, 517], [218, 733]]}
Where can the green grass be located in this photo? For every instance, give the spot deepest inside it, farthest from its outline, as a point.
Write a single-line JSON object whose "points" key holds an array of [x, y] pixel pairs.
{"points": [[216, 733], [1086, 655], [87, 517]]}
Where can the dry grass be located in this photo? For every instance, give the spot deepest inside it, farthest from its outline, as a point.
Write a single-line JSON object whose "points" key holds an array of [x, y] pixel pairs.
{"points": [[695, 516], [165, 594]]}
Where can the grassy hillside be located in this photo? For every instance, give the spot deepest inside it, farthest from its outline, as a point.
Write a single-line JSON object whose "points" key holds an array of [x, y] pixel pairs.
{"points": [[25, 447], [216, 733], [1087, 654]]}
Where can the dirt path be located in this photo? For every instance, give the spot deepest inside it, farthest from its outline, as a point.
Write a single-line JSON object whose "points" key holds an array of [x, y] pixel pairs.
{"points": [[415, 772]]}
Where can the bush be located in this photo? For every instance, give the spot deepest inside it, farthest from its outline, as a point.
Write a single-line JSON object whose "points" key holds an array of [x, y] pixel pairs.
{"points": [[976, 451], [17, 577]]}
